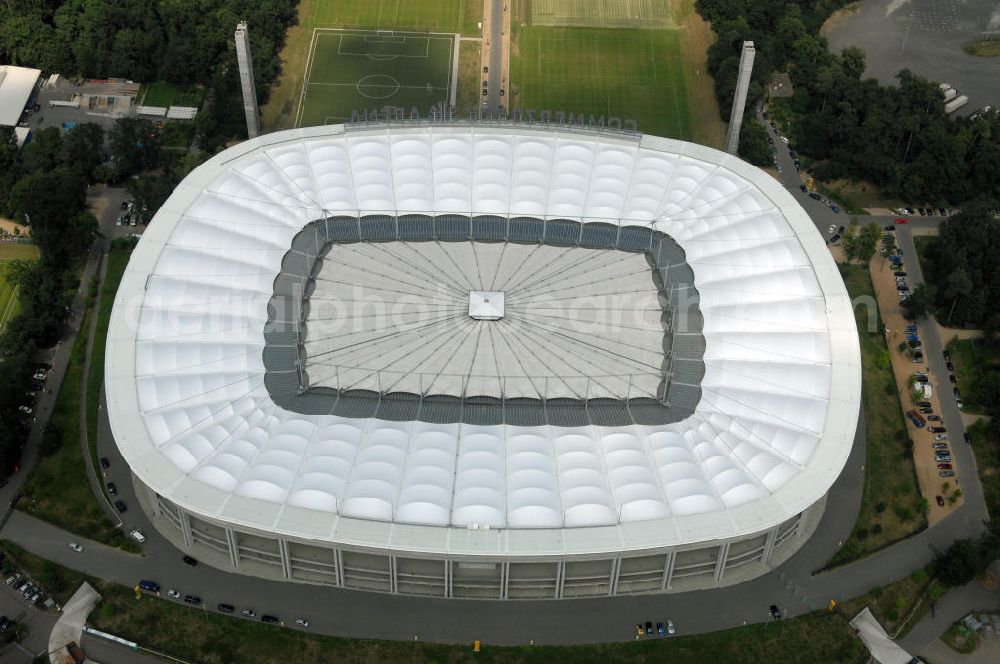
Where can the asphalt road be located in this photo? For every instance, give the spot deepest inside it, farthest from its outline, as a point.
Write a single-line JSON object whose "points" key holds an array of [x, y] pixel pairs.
{"points": [[495, 39]]}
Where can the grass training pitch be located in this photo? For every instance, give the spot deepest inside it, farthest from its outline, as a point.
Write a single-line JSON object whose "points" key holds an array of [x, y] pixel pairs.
{"points": [[352, 70], [9, 252], [602, 13], [623, 73], [416, 15]]}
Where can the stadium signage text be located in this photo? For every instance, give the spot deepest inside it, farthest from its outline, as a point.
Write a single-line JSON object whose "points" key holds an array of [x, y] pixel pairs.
{"points": [[517, 116]]}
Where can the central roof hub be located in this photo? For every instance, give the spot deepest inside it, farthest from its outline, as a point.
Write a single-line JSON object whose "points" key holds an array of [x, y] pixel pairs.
{"points": [[486, 305]]}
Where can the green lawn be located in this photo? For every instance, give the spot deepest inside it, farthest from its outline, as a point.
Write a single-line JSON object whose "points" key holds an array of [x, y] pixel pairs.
{"points": [[988, 464], [162, 93], [11, 251], [632, 74], [57, 490], [973, 360], [351, 71], [121, 250], [416, 15], [891, 502]]}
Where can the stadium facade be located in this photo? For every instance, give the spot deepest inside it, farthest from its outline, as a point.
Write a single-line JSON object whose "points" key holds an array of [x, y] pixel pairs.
{"points": [[483, 361]]}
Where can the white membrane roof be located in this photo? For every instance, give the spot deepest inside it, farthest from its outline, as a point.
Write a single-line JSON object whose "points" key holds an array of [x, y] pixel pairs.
{"points": [[16, 85], [394, 317], [192, 417]]}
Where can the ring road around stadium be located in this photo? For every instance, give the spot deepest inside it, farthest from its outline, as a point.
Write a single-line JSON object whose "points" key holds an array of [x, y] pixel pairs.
{"points": [[483, 361]]}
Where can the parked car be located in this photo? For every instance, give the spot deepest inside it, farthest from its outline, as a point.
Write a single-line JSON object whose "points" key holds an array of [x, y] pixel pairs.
{"points": [[901, 220], [75, 547], [192, 599], [190, 561], [944, 466], [937, 429], [173, 593], [947, 356], [248, 613], [226, 608], [948, 365], [951, 378], [940, 446], [775, 612], [968, 438], [924, 404], [813, 195], [112, 489], [150, 586], [120, 506], [274, 620], [302, 622], [939, 500], [926, 411], [940, 437], [946, 473], [105, 464], [933, 418]]}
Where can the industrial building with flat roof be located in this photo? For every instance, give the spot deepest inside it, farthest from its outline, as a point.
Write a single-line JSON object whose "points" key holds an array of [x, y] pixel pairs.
{"points": [[483, 360]]}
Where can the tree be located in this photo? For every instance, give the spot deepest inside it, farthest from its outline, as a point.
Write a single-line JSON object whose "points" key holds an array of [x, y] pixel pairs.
{"points": [[921, 301], [959, 564], [134, 147]]}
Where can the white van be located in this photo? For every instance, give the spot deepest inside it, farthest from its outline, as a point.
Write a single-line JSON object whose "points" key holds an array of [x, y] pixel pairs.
{"points": [[137, 536]]}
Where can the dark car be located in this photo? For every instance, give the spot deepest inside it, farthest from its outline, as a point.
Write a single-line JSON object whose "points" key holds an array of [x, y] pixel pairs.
{"points": [[120, 506], [105, 464], [149, 586], [937, 429], [813, 195], [925, 411], [933, 418], [792, 154], [890, 229], [649, 628], [947, 356], [834, 239], [921, 379], [226, 608], [5, 623], [112, 489], [968, 438], [277, 621], [192, 599], [899, 274], [190, 561], [836, 210], [924, 404], [944, 466], [957, 392], [803, 187], [940, 501], [948, 365], [951, 378], [775, 612]]}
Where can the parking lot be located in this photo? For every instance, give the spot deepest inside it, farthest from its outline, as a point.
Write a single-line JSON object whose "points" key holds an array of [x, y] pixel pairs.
{"points": [[925, 36], [925, 424]]}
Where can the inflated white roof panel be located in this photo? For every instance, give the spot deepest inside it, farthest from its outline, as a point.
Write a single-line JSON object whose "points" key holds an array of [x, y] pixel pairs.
{"points": [[191, 414]]}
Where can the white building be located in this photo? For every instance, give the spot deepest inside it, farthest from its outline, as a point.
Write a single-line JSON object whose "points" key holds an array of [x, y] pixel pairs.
{"points": [[16, 87], [307, 381]]}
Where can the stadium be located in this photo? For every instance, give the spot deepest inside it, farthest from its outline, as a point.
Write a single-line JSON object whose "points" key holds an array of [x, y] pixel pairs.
{"points": [[477, 360]]}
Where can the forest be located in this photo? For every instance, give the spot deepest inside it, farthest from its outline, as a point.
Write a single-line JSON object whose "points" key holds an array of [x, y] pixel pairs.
{"points": [[897, 137], [183, 43]]}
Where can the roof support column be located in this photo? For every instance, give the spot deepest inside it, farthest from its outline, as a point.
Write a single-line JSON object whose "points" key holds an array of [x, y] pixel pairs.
{"points": [[560, 578], [616, 568], [286, 560], [668, 566], [339, 558], [504, 578], [234, 547], [186, 528], [772, 537], [447, 578], [720, 564]]}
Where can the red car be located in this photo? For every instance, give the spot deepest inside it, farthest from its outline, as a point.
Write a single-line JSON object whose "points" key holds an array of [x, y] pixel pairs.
{"points": [[944, 466], [901, 220]]}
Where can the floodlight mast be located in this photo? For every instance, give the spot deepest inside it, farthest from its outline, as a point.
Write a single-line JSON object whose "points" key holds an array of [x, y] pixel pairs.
{"points": [[740, 97], [246, 79]]}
